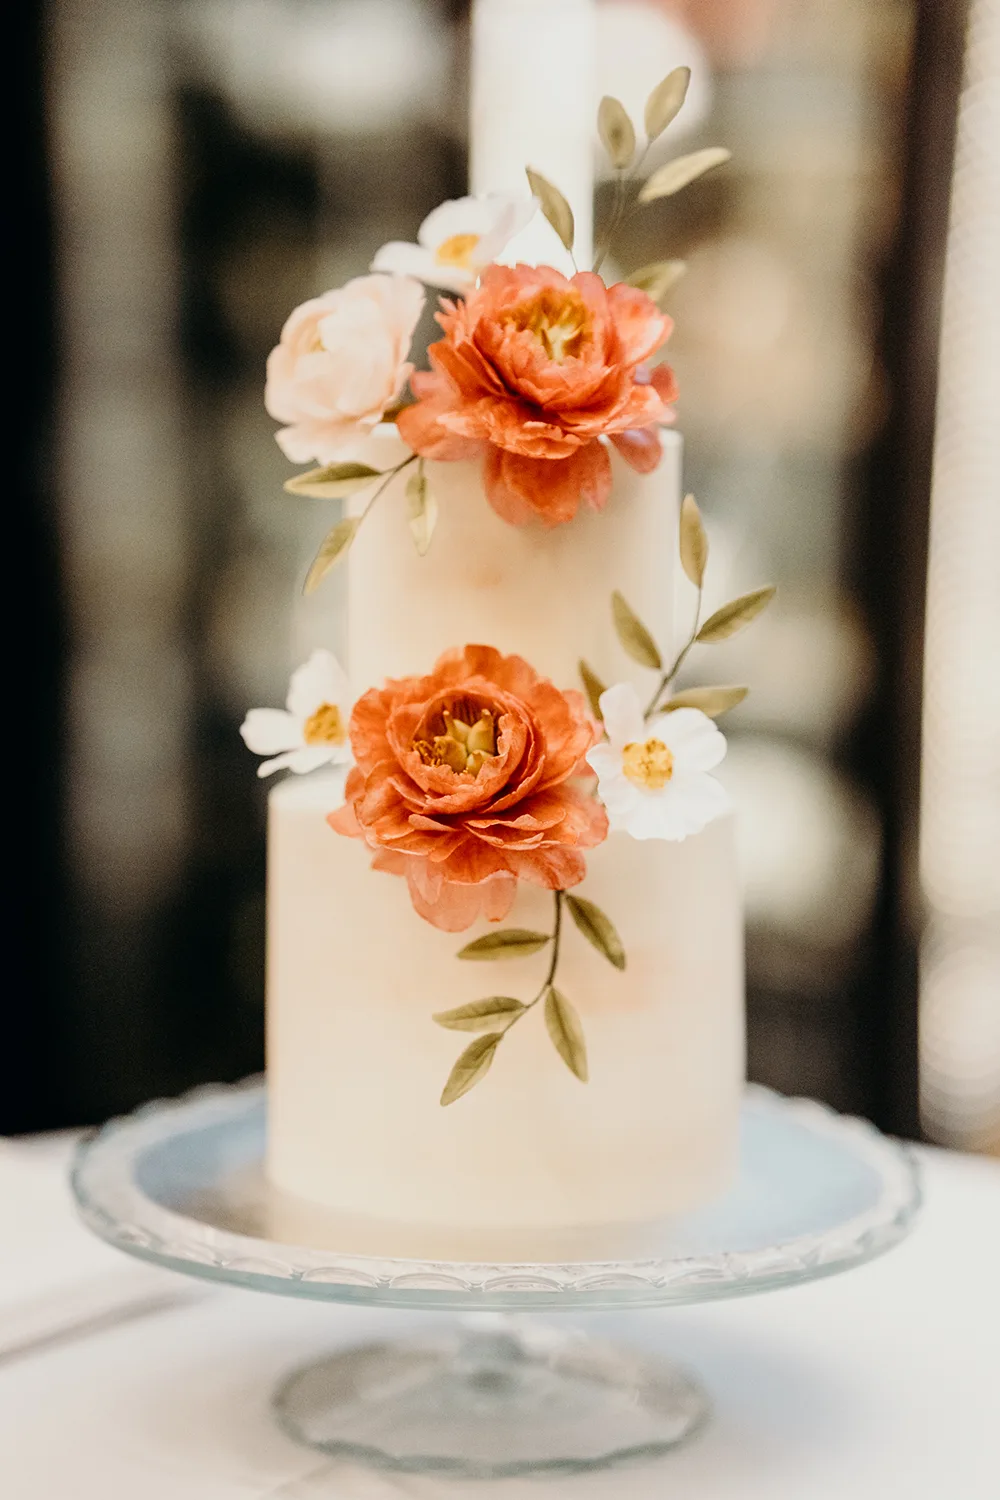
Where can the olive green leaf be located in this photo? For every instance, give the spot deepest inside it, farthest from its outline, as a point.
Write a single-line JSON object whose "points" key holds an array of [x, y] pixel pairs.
{"points": [[509, 942], [332, 481], [734, 615], [676, 174], [563, 1025], [332, 548], [633, 634], [694, 542], [554, 207], [479, 1015], [712, 701], [593, 687], [657, 278], [597, 929], [616, 131], [665, 101], [421, 509], [472, 1066]]}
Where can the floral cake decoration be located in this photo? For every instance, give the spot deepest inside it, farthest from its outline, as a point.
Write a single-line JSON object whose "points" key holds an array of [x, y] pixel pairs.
{"points": [[482, 773], [534, 369]]}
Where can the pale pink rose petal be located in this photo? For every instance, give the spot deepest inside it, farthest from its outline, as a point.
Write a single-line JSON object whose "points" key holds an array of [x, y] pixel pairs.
{"points": [[342, 360]]}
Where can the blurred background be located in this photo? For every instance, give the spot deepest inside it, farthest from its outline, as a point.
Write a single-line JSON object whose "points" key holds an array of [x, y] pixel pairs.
{"points": [[188, 173]]}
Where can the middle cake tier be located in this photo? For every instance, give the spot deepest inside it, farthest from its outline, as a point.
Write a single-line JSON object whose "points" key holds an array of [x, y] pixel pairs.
{"points": [[544, 594]]}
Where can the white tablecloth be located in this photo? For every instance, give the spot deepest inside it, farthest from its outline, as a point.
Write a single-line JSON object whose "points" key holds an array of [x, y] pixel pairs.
{"points": [[880, 1383]]}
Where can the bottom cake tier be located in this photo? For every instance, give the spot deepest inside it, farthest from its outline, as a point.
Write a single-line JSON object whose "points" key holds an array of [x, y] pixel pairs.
{"points": [[356, 1065]]}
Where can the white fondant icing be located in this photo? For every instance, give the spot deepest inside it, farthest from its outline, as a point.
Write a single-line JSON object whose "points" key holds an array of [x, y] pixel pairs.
{"points": [[542, 592], [356, 1065]]}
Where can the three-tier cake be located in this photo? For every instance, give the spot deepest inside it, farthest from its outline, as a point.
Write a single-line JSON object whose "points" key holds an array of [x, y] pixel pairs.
{"points": [[505, 968]]}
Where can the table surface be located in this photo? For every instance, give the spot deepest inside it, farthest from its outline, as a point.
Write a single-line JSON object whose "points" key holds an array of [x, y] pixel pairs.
{"points": [[880, 1383]]}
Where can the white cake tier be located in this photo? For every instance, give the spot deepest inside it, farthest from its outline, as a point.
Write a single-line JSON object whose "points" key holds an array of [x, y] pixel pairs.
{"points": [[544, 593], [356, 1065]]}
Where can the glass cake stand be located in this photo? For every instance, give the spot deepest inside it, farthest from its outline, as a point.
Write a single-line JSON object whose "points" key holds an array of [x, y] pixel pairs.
{"points": [[182, 1184]]}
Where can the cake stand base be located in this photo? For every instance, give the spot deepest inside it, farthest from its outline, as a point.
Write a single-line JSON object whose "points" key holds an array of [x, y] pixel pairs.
{"points": [[489, 1403], [183, 1185]]}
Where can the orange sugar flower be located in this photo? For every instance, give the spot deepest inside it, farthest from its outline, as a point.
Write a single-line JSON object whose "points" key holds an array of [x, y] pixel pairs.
{"points": [[464, 784], [534, 368]]}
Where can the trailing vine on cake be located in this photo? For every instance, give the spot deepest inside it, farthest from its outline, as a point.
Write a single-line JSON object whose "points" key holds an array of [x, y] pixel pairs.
{"points": [[618, 137], [497, 1014], [337, 481], [653, 767]]}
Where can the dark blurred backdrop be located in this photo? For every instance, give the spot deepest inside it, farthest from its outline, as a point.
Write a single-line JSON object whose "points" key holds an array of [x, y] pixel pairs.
{"points": [[190, 172]]}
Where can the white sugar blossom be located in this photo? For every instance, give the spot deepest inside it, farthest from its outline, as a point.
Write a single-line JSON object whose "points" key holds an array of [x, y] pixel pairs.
{"points": [[653, 776], [458, 240], [312, 730]]}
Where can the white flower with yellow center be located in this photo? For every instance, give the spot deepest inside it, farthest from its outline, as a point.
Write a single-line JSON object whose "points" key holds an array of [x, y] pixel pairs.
{"points": [[312, 730], [458, 240], [653, 776]]}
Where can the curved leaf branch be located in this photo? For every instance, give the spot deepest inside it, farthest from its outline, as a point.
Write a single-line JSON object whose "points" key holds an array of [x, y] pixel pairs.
{"points": [[499, 1014], [337, 542]]}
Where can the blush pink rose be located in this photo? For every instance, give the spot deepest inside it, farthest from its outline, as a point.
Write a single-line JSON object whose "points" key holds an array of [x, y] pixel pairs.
{"points": [[341, 362]]}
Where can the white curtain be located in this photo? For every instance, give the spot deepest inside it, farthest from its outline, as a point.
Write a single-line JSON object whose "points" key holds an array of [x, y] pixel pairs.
{"points": [[960, 821]]}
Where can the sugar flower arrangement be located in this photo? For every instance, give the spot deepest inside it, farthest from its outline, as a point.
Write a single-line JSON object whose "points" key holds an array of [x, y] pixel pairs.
{"points": [[482, 774], [534, 367]]}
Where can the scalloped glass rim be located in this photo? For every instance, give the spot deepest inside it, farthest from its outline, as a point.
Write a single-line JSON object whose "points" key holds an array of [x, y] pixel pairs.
{"points": [[856, 1191]]}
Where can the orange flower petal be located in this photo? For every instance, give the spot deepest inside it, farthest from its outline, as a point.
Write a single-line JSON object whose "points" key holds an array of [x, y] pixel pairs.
{"points": [[664, 383], [641, 327], [456, 907], [640, 447], [536, 365], [521, 816], [420, 428], [468, 372], [552, 489], [556, 868]]}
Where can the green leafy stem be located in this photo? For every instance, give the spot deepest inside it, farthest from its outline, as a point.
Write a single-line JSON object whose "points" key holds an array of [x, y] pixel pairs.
{"points": [[337, 481], [618, 137], [498, 1014], [638, 642]]}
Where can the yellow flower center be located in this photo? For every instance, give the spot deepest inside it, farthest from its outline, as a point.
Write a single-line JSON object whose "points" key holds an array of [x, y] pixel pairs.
{"points": [[457, 250], [462, 744], [648, 764], [325, 726], [560, 321]]}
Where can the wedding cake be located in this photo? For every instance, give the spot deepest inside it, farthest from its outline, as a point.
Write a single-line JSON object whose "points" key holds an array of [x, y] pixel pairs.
{"points": [[505, 967]]}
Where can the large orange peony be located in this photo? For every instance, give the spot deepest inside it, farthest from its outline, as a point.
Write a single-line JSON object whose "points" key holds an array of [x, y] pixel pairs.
{"points": [[535, 368], [463, 784]]}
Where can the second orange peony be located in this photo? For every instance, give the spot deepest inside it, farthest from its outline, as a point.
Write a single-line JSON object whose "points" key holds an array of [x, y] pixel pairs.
{"points": [[464, 783]]}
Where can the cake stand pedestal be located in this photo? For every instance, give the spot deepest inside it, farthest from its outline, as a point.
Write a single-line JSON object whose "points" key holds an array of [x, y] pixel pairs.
{"points": [[182, 1184]]}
